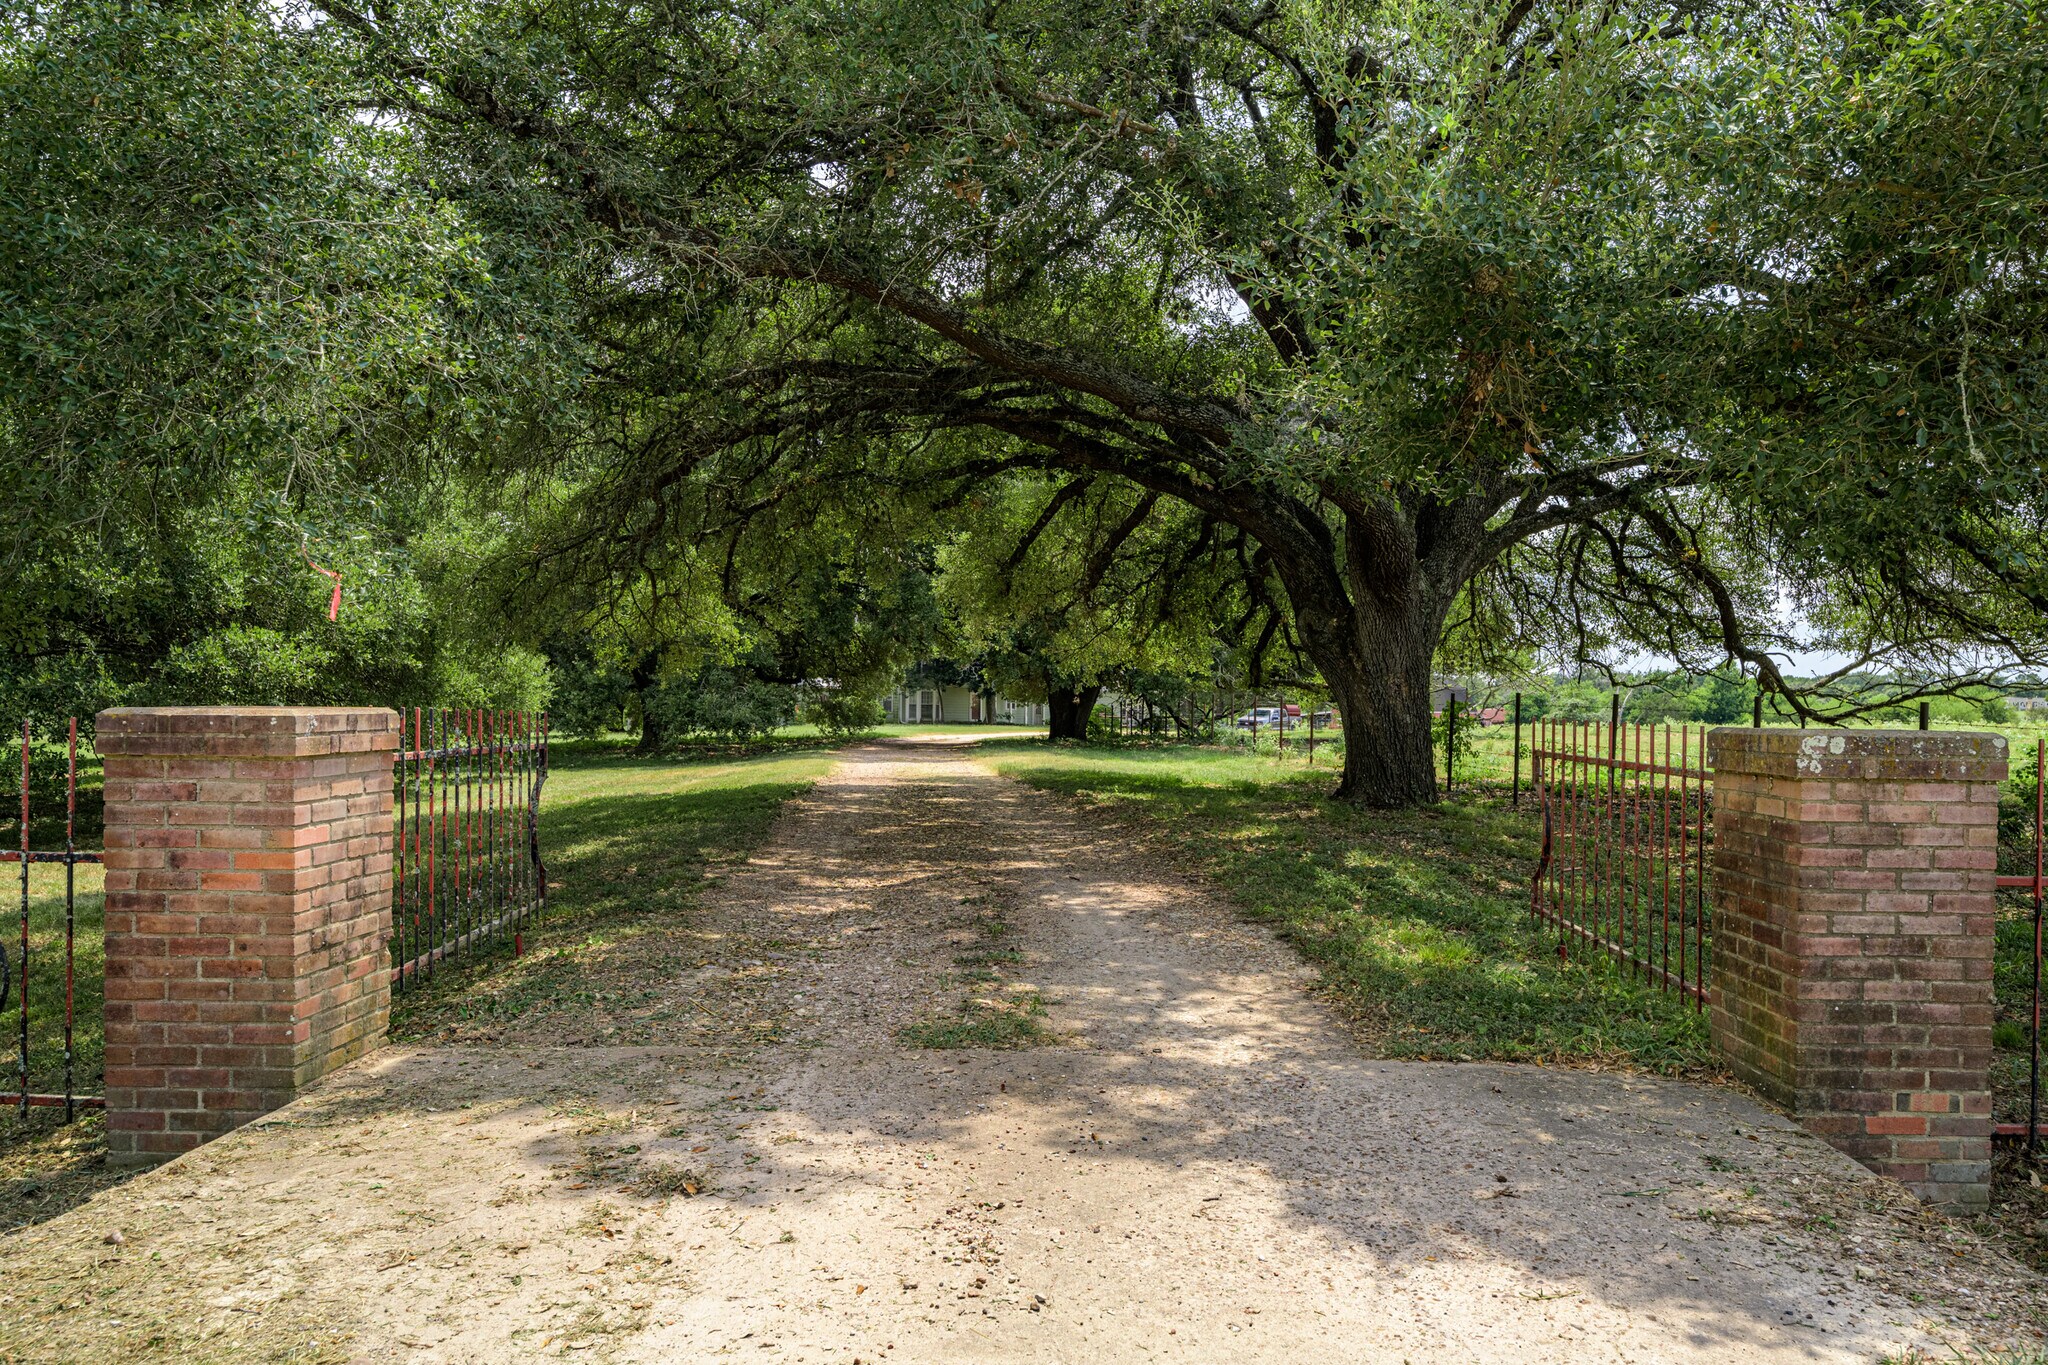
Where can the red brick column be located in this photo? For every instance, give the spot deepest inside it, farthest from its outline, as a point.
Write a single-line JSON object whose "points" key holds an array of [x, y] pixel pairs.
{"points": [[248, 859], [1853, 881]]}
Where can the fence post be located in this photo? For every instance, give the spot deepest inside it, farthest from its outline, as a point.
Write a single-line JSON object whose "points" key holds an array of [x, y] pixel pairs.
{"points": [[1613, 746], [1450, 741], [1854, 875], [1515, 781], [248, 911]]}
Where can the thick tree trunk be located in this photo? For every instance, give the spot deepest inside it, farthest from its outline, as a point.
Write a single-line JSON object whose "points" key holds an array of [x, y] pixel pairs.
{"points": [[1388, 758], [1071, 707], [645, 681], [1376, 657]]}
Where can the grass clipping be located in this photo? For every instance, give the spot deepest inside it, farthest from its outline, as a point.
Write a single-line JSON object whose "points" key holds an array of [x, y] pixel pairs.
{"points": [[997, 1013], [1002, 1022]]}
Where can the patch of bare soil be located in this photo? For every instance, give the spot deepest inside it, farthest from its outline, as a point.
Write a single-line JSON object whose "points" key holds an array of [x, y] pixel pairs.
{"points": [[48, 1167], [2019, 1207], [745, 1159]]}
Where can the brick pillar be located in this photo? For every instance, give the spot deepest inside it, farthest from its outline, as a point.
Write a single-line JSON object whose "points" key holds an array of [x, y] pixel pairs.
{"points": [[1853, 881], [248, 857]]}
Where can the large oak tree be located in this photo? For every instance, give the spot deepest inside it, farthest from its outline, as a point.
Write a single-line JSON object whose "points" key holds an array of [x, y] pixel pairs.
{"points": [[1477, 311]]}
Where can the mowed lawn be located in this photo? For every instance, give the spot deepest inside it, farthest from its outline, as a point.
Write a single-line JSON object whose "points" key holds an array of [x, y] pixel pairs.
{"points": [[50, 978], [628, 842], [1418, 920]]}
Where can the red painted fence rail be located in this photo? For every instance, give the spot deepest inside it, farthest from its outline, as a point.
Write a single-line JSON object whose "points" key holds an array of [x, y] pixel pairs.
{"points": [[466, 864], [14, 977], [1627, 821]]}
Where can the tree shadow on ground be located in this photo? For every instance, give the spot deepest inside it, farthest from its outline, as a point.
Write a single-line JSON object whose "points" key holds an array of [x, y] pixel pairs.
{"points": [[1194, 1093], [1418, 919], [626, 868]]}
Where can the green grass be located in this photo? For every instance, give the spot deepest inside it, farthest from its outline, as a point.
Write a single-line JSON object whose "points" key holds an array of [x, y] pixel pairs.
{"points": [[626, 840], [46, 1166], [996, 1012], [633, 836], [46, 981], [1418, 919], [1488, 769], [951, 728], [1970, 1355], [785, 739], [628, 844], [1001, 1024], [46, 934]]}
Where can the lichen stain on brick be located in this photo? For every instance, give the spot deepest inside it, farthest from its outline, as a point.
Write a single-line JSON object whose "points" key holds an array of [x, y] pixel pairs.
{"points": [[1854, 873]]}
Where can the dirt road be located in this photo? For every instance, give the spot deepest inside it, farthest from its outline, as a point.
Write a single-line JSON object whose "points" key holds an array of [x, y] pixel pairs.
{"points": [[1197, 1164]]}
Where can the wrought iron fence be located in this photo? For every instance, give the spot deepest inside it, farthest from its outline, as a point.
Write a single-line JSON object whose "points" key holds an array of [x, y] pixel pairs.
{"points": [[466, 864], [1627, 821], [16, 977]]}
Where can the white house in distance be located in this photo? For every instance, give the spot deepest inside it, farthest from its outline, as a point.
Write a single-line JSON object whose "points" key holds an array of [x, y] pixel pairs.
{"points": [[960, 706], [957, 705]]}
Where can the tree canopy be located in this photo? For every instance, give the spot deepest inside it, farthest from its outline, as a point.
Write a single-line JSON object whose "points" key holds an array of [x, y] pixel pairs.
{"points": [[228, 333], [1352, 332]]}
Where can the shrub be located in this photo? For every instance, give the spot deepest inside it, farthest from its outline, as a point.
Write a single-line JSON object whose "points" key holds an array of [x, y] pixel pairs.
{"points": [[590, 698], [722, 703], [841, 714], [241, 666]]}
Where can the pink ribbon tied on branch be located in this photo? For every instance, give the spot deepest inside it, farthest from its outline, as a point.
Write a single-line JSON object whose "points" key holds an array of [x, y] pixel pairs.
{"points": [[334, 602]]}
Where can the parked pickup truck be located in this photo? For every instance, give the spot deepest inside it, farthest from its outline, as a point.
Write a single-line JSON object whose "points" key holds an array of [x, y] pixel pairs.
{"points": [[1270, 718]]}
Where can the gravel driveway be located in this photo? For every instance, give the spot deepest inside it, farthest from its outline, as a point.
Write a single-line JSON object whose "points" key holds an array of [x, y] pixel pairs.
{"points": [[1196, 1164]]}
